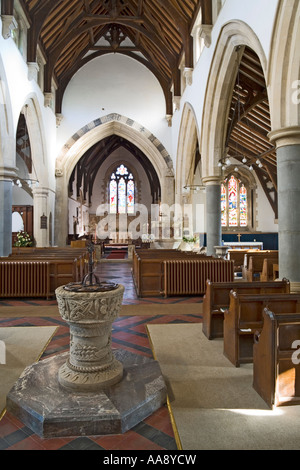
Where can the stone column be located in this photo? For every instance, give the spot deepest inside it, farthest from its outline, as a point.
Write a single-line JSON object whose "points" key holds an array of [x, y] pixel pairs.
{"points": [[213, 213], [6, 175], [288, 175], [61, 222], [40, 202]]}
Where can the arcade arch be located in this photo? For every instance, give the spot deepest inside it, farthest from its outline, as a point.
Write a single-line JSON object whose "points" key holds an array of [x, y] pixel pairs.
{"points": [[95, 132]]}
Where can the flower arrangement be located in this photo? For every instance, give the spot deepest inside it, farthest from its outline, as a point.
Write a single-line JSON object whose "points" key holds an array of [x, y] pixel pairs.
{"points": [[189, 239], [23, 239]]}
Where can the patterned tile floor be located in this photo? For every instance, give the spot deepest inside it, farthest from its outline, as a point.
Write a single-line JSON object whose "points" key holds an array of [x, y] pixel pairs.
{"points": [[154, 433]]}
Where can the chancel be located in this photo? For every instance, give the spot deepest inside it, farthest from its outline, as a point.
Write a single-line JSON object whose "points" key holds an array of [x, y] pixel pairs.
{"points": [[158, 142]]}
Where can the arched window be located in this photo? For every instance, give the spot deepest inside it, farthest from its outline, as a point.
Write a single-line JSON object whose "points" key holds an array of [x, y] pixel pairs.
{"points": [[234, 203], [121, 191]]}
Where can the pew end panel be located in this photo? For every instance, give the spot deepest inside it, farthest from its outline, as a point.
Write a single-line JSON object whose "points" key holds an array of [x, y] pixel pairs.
{"points": [[216, 300], [230, 344], [276, 365], [246, 316]]}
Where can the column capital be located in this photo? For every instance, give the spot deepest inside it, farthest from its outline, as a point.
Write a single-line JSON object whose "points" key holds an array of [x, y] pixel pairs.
{"points": [[285, 136], [8, 173], [211, 180], [40, 192]]}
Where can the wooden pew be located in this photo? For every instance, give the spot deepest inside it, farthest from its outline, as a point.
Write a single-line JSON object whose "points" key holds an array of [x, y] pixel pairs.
{"points": [[65, 265], [173, 272], [276, 364], [251, 273], [216, 300], [245, 316], [148, 269], [268, 270], [238, 258], [256, 264]]}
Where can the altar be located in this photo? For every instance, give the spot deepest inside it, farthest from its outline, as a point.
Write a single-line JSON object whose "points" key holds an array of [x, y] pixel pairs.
{"points": [[244, 245]]}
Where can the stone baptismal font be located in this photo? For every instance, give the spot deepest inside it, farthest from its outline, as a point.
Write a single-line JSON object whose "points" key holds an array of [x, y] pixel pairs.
{"points": [[92, 389]]}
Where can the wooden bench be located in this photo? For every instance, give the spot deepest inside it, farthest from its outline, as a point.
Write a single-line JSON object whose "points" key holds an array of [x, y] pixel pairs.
{"points": [[276, 364], [245, 317], [269, 269], [172, 272], [237, 256], [216, 300], [256, 268], [253, 263], [148, 269], [65, 265]]}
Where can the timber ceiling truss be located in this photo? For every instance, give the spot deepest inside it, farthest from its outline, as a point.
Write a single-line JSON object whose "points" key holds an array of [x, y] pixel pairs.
{"points": [[157, 33], [72, 32]]}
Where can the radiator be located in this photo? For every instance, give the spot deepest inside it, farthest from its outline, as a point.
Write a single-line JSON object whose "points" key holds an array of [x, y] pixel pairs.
{"points": [[188, 277], [24, 279]]}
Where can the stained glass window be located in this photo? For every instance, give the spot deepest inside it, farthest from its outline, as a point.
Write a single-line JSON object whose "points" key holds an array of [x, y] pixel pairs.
{"points": [[113, 196], [243, 207], [234, 203], [130, 197], [122, 191], [224, 205], [122, 196]]}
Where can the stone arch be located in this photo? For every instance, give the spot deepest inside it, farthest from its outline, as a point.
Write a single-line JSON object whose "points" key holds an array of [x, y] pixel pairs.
{"points": [[40, 167], [219, 91], [7, 137], [284, 71], [92, 133], [34, 120], [187, 142], [36, 133]]}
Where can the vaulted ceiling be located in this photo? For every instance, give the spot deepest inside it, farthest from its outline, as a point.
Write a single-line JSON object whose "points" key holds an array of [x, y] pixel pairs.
{"points": [[72, 32], [157, 33]]}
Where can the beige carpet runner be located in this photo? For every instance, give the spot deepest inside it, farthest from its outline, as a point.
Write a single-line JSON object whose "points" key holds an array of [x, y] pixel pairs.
{"points": [[213, 404], [23, 346]]}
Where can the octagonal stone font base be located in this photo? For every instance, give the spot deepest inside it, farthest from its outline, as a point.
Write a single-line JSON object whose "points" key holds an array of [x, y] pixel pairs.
{"points": [[50, 410]]}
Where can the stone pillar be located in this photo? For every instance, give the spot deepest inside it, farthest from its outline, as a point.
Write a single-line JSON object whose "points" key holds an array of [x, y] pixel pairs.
{"points": [[288, 176], [6, 175], [61, 222], [213, 213], [40, 202]]}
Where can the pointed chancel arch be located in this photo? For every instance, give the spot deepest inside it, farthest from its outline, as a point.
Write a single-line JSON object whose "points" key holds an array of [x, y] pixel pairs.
{"points": [[89, 135]]}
